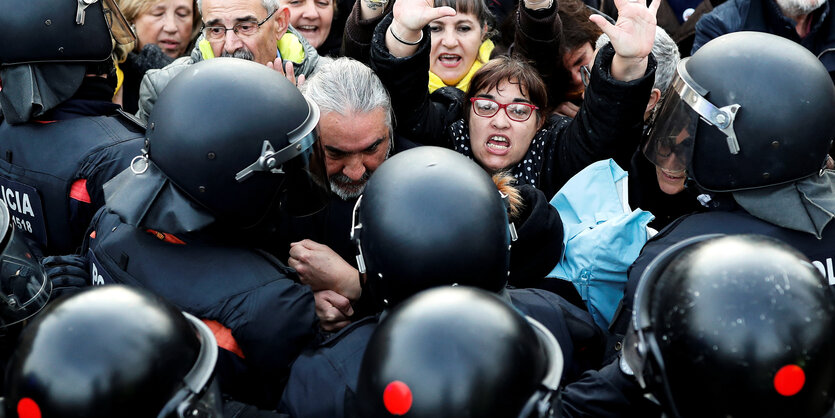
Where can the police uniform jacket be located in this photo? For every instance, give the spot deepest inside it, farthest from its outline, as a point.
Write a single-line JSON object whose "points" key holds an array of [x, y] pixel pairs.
{"points": [[260, 316], [52, 169], [737, 221]]}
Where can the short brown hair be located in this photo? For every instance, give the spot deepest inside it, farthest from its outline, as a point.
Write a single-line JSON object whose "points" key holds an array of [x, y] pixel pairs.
{"points": [[515, 71]]}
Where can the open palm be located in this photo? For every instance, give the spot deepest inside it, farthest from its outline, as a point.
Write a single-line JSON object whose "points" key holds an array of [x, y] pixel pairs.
{"points": [[633, 34]]}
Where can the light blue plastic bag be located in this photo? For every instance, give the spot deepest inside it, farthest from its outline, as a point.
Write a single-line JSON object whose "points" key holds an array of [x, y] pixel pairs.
{"points": [[602, 236]]}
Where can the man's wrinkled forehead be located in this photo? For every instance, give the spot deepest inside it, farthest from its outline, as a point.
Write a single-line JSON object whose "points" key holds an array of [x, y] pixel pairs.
{"points": [[232, 11]]}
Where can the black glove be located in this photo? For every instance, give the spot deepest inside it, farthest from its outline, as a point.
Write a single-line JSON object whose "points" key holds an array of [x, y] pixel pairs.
{"points": [[68, 273], [150, 57]]}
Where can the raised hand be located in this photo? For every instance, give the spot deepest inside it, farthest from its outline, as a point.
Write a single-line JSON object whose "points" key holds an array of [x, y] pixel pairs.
{"points": [[287, 71], [632, 37], [410, 16], [633, 34], [413, 15]]}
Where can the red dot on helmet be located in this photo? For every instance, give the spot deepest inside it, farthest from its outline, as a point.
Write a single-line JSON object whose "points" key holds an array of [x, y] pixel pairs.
{"points": [[397, 397], [789, 380], [27, 408]]}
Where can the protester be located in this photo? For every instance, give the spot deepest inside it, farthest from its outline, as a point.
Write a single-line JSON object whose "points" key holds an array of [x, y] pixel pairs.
{"points": [[460, 45], [312, 18], [355, 135], [539, 151], [165, 30]]}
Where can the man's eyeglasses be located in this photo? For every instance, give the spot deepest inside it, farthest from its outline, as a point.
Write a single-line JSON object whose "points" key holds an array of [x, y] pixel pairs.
{"points": [[585, 75], [216, 33], [487, 108]]}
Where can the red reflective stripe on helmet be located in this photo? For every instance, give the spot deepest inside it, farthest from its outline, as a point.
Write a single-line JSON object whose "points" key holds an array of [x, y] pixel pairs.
{"points": [[78, 191], [789, 380], [397, 397], [224, 337], [27, 408]]}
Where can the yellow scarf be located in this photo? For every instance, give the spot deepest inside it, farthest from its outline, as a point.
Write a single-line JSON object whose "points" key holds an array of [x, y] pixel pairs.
{"points": [[484, 51]]}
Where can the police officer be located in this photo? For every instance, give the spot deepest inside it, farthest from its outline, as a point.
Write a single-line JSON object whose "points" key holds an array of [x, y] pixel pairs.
{"points": [[62, 137], [733, 326], [429, 217], [459, 351], [227, 140], [750, 117], [113, 351]]}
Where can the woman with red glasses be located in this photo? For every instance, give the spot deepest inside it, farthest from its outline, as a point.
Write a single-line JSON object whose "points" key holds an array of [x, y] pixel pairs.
{"points": [[501, 121]]}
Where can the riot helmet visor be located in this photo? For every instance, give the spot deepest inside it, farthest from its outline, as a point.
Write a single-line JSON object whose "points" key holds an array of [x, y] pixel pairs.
{"points": [[299, 164], [545, 401], [671, 138], [200, 394], [24, 288], [120, 29]]}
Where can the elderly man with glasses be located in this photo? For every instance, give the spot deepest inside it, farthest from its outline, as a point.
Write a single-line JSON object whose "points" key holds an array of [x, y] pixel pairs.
{"points": [[255, 30]]}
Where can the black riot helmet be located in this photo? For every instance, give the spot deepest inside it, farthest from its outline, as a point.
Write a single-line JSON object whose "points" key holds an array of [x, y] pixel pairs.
{"points": [[459, 352], [734, 326], [747, 110], [430, 217], [113, 351], [38, 31], [232, 135]]}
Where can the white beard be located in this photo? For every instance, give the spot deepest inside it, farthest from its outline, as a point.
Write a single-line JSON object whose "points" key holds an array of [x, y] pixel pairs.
{"points": [[795, 8]]}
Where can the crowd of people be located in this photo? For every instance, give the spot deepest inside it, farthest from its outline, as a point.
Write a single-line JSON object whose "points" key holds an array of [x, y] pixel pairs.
{"points": [[446, 208]]}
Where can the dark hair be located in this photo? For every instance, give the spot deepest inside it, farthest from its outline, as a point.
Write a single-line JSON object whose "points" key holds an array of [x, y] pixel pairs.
{"points": [[577, 29], [514, 70], [474, 7]]}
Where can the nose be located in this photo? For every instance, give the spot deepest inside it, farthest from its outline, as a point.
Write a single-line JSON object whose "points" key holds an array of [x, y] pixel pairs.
{"points": [[448, 39], [309, 10], [232, 42], [354, 168], [500, 120], [169, 23]]}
